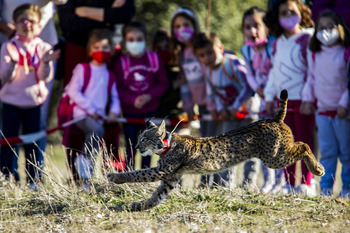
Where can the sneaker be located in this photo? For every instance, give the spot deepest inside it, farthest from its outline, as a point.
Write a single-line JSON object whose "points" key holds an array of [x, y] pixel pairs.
{"points": [[33, 186], [86, 186], [83, 166], [306, 190], [267, 188], [288, 189]]}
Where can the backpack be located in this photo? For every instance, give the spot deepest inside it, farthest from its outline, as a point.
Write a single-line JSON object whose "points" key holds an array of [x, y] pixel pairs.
{"points": [[245, 51], [229, 72], [66, 105]]}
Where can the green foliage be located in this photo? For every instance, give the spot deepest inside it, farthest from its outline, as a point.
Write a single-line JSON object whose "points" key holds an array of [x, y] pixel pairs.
{"points": [[225, 17]]}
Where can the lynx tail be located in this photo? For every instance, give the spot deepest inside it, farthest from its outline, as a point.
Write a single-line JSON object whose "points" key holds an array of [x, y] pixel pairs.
{"points": [[282, 109]]}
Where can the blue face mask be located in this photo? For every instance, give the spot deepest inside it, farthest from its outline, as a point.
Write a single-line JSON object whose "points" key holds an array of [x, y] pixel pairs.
{"points": [[136, 48]]}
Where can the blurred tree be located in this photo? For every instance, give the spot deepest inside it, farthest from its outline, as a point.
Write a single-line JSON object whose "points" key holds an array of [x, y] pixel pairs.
{"points": [[225, 16]]}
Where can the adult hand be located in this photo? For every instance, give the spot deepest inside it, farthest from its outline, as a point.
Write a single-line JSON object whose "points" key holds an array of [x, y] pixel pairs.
{"points": [[118, 3], [81, 11], [341, 112], [59, 2]]}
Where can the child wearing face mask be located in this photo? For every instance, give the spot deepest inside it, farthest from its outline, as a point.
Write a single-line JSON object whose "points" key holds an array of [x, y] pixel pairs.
{"points": [[91, 88], [184, 26], [257, 52], [287, 20], [26, 64], [326, 83], [227, 92], [142, 81]]}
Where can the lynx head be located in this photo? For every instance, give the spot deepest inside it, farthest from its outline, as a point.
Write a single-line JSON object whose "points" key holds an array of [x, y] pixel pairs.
{"points": [[150, 141]]}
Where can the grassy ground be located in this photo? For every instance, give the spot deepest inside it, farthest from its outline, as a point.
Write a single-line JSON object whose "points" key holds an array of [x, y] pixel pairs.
{"points": [[59, 207]]}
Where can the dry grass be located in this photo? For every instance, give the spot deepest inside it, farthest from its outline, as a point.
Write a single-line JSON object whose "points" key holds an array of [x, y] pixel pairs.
{"points": [[59, 207]]}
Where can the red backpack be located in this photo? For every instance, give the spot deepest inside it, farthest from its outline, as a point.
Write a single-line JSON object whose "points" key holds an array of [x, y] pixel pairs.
{"points": [[66, 105]]}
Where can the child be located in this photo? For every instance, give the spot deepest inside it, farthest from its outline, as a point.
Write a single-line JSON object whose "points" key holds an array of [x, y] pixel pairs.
{"points": [[287, 20], [141, 82], [169, 102], [227, 91], [92, 96], [185, 25], [26, 64], [326, 83], [257, 56]]}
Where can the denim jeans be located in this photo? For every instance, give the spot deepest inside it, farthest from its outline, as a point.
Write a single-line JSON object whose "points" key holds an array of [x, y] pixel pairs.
{"points": [[334, 140], [14, 119], [45, 108]]}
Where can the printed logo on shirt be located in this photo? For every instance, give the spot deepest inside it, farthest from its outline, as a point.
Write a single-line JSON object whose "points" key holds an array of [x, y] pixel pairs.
{"points": [[139, 77], [140, 80]]}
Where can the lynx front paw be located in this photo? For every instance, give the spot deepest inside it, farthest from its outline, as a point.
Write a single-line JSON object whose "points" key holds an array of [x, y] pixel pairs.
{"points": [[320, 170], [115, 178], [137, 206]]}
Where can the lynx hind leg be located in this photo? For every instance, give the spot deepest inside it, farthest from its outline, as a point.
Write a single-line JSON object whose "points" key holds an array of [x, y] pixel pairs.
{"points": [[157, 197]]}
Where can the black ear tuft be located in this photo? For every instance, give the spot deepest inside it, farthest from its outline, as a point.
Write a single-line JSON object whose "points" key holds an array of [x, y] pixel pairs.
{"points": [[284, 94], [150, 124]]}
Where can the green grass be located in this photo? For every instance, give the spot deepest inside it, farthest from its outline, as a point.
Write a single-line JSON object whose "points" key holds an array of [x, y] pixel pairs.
{"points": [[59, 207], [197, 210]]}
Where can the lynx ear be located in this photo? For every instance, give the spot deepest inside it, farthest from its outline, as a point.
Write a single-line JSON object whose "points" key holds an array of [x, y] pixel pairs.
{"points": [[161, 130], [150, 124]]}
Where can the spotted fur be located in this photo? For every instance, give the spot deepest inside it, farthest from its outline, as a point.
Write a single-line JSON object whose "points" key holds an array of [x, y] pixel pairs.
{"points": [[269, 140]]}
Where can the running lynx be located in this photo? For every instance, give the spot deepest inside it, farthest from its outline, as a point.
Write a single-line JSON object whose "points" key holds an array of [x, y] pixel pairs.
{"points": [[269, 140]]}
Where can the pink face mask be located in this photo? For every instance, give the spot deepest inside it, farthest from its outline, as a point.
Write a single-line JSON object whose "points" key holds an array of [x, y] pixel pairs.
{"points": [[290, 22], [250, 43], [184, 34]]}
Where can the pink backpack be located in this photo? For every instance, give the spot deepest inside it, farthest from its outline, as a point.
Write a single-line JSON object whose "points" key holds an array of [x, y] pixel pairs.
{"points": [[66, 105]]}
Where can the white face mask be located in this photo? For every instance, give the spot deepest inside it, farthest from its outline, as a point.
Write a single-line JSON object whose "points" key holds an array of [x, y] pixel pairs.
{"points": [[328, 37], [136, 48]]}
